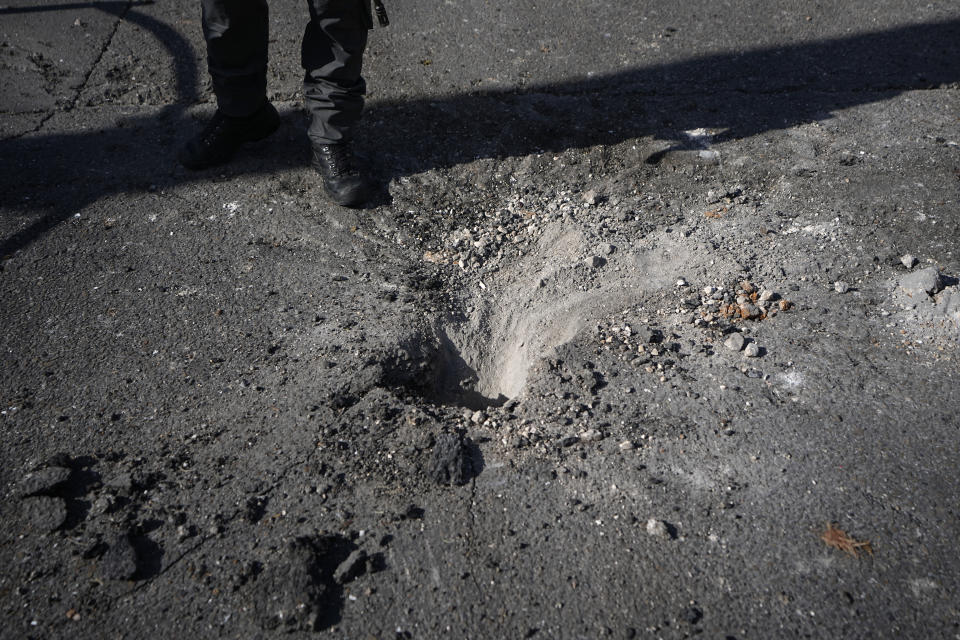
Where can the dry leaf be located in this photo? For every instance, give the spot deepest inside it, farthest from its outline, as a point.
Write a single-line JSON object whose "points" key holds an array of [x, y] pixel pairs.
{"points": [[838, 539]]}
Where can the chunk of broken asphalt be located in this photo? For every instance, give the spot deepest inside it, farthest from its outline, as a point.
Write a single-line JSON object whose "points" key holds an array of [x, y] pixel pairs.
{"points": [[450, 463], [922, 281], [42, 481], [298, 591], [120, 560], [693, 615], [43, 513]]}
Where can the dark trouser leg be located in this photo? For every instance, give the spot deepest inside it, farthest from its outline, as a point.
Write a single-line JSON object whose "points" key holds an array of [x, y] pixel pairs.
{"points": [[332, 56], [236, 33]]}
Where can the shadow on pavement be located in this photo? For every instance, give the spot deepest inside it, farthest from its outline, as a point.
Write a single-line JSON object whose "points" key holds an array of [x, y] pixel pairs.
{"points": [[50, 177]]}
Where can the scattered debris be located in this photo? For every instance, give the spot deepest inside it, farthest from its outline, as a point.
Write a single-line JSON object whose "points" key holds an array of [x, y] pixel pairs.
{"points": [[709, 156], [451, 462], [606, 249], [692, 615], [44, 513], [658, 528], [719, 307], [298, 591], [595, 261], [734, 341], [716, 213], [838, 539], [42, 481], [120, 560], [590, 435], [920, 282]]}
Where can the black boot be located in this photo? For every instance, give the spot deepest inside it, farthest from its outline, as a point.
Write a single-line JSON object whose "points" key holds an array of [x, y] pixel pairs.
{"points": [[342, 180], [223, 135]]}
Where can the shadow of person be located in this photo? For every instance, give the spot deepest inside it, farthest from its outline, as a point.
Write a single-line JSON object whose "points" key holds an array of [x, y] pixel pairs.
{"points": [[47, 178]]}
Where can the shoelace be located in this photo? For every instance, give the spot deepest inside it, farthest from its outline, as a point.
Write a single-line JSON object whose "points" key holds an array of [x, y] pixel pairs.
{"points": [[340, 161], [381, 13], [213, 131]]}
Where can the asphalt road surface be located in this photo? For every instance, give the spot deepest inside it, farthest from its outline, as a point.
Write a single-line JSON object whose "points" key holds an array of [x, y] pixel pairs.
{"points": [[651, 330]]}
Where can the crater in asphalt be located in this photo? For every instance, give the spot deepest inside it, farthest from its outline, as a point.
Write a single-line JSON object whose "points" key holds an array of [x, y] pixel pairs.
{"points": [[483, 355], [483, 359], [475, 363], [457, 376]]}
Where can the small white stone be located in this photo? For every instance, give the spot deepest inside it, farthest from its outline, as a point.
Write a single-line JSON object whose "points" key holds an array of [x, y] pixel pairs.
{"points": [[908, 261], [606, 249], [751, 350], [734, 341], [590, 435], [658, 528], [681, 282], [709, 156], [626, 445], [840, 286]]}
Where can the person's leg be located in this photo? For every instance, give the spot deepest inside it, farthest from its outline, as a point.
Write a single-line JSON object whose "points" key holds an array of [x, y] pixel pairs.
{"points": [[333, 89], [332, 59], [236, 33]]}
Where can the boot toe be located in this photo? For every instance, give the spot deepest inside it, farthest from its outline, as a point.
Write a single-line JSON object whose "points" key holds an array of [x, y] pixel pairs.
{"points": [[348, 192]]}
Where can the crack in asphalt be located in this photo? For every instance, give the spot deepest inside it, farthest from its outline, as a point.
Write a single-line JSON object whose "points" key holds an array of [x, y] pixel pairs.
{"points": [[473, 523], [103, 50], [29, 112], [83, 83], [38, 127], [145, 583]]}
